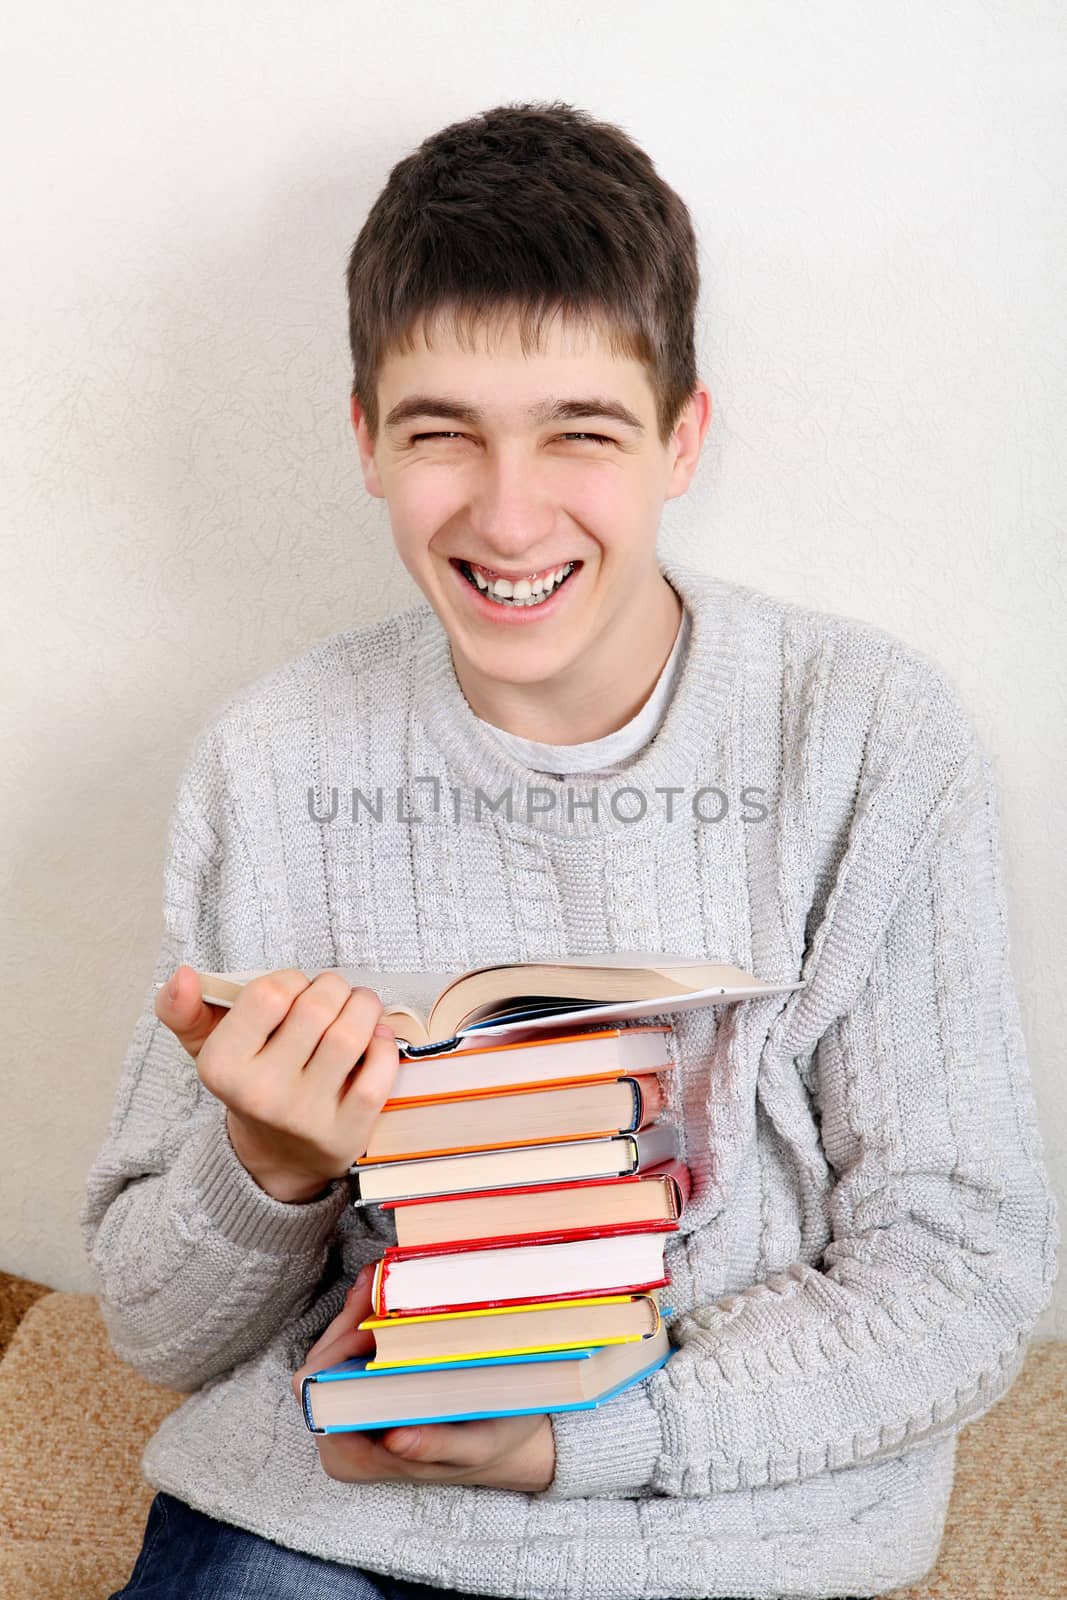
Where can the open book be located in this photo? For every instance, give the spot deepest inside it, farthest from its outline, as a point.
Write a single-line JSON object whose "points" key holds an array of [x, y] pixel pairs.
{"points": [[429, 1015]]}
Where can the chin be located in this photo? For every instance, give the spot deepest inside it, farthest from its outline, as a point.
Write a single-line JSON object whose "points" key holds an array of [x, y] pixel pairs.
{"points": [[520, 673]]}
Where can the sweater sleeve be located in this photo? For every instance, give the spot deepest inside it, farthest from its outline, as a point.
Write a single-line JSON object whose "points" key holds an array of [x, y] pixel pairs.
{"points": [[196, 1266], [915, 1319]]}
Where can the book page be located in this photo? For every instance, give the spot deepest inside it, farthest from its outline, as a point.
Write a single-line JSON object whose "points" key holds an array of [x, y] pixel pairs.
{"points": [[624, 959]]}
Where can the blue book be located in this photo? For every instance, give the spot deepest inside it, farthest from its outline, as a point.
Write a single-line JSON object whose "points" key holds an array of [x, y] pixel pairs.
{"points": [[347, 1398]]}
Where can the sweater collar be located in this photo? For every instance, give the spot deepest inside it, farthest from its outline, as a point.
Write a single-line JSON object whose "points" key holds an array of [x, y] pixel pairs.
{"points": [[691, 724]]}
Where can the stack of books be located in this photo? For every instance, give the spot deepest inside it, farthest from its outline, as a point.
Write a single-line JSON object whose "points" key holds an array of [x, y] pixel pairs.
{"points": [[531, 1210], [533, 1183]]}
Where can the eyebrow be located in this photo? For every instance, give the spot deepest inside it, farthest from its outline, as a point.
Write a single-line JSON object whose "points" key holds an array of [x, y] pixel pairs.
{"points": [[552, 410]]}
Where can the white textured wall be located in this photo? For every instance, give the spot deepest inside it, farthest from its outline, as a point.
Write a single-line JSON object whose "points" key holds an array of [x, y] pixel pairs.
{"points": [[879, 194]]}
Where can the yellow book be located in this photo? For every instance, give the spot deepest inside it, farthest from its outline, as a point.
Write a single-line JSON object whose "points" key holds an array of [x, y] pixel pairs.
{"points": [[490, 1331]]}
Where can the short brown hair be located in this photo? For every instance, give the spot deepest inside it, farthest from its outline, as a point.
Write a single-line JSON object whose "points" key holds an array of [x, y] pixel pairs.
{"points": [[529, 210]]}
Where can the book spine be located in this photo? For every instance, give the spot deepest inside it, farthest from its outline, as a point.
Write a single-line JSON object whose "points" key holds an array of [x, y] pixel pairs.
{"points": [[377, 1288], [677, 1178], [305, 1404], [439, 1047], [653, 1147], [682, 1180], [638, 1116], [650, 1100]]}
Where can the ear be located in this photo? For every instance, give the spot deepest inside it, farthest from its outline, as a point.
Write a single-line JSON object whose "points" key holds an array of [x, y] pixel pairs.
{"points": [[366, 451], [687, 441]]}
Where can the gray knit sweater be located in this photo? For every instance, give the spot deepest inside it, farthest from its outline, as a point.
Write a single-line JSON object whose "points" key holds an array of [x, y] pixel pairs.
{"points": [[871, 1235]]}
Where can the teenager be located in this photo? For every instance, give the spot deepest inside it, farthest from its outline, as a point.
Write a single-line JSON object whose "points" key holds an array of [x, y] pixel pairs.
{"points": [[582, 745]]}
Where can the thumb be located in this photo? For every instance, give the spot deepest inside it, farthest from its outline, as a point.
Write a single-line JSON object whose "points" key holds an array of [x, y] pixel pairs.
{"points": [[181, 1006], [358, 1300]]}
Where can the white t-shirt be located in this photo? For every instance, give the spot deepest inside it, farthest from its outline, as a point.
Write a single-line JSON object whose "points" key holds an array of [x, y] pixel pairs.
{"points": [[615, 751]]}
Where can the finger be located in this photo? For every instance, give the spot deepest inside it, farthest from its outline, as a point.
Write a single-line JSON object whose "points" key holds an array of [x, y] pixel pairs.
{"points": [[185, 1012], [261, 1009], [368, 1086], [340, 1052], [445, 1444], [311, 1014], [343, 1325], [331, 1350], [356, 1307], [359, 1295], [355, 1457], [339, 1345]]}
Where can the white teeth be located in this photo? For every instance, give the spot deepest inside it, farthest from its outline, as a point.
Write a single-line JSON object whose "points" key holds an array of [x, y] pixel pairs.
{"points": [[524, 591]]}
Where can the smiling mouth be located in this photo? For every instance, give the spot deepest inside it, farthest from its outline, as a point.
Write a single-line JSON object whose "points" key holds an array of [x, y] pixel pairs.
{"points": [[524, 592]]}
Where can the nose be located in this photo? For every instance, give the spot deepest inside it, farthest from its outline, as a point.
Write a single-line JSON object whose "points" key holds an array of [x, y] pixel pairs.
{"points": [[510, 511]]}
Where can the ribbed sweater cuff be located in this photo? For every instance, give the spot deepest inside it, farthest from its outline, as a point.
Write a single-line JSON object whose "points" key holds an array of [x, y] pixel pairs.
{"points": [[612, 1449], [246, 1214]]}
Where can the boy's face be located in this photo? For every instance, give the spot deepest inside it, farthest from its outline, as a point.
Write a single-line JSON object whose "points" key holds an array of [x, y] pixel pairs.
{"points": [[498, 464]]}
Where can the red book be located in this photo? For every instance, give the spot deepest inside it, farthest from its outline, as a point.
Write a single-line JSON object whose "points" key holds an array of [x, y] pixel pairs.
{"points": [[512, 1271], [537, 1208]]}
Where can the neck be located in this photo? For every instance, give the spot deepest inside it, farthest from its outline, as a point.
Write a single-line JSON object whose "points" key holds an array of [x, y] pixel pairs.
{"points": [[596, 695]]}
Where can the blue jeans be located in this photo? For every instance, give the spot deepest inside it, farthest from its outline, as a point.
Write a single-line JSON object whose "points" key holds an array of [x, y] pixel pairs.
{"points": [[187, 1556]]}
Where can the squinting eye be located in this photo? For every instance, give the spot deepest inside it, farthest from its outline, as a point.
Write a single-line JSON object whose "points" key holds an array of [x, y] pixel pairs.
{"points": [[595, 438]]}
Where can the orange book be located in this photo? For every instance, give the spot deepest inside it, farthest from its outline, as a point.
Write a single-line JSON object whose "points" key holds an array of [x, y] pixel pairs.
{"points": [[511, 1118], [549, 1058]]}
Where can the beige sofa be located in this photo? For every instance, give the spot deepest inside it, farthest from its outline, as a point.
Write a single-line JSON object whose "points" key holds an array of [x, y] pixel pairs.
{"points": [[73, 1504]]}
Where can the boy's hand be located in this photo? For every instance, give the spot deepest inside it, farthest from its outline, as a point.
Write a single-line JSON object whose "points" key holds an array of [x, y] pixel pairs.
{"points": [[300, 1066], [500, 1452]]}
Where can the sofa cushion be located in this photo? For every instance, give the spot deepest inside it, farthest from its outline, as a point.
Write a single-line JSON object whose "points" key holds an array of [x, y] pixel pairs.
{"points": [[73, 1504]]}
